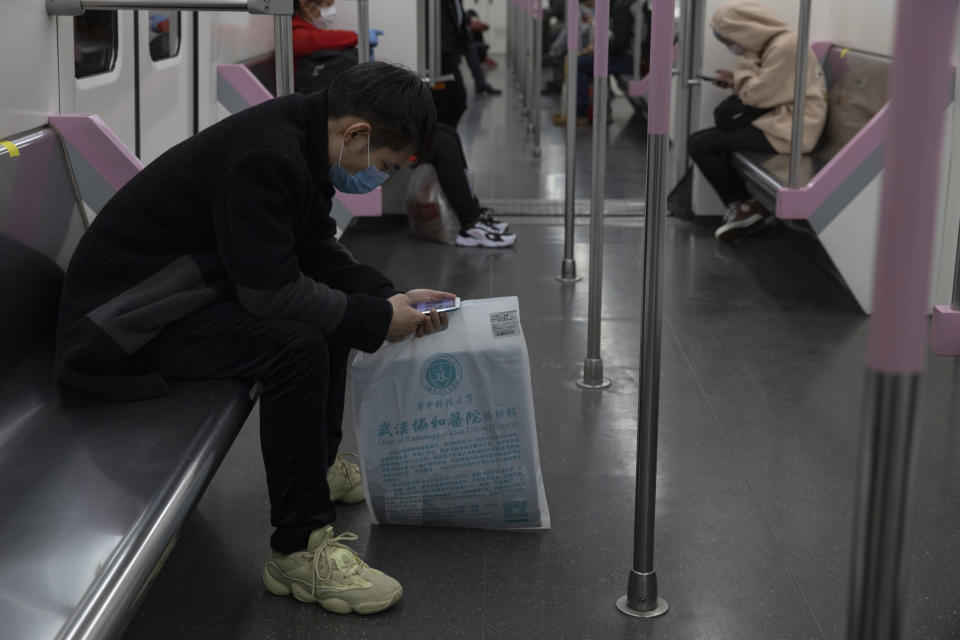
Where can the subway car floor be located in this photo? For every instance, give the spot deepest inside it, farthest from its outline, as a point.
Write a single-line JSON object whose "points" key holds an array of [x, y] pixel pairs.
{"points": [[762, 370]]}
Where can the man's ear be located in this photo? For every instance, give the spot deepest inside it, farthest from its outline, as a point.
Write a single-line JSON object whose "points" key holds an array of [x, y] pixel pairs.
{"points": [[359, 129]]}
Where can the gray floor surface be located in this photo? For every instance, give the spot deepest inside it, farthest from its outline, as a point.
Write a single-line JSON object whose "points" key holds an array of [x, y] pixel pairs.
{"points": [[762, 377]]}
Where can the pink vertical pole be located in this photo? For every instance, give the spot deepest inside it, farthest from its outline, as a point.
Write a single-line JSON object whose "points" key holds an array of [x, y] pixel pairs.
{"points": [[897, 342]]}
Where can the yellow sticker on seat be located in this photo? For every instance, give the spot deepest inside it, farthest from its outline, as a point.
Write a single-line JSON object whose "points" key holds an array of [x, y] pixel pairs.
{"points": [[11, 148]]}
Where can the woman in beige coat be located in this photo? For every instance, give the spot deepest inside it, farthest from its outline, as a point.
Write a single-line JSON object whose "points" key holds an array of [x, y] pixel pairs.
{"points": [[763, 78]]}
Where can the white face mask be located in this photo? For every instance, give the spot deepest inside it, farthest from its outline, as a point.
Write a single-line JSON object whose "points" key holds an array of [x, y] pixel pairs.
{"points": [[736, 49], [325, 19], [328, 12]]}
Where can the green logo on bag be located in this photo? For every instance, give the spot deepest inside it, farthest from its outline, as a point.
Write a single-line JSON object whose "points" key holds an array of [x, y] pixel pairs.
{"points": [[441, 374]]}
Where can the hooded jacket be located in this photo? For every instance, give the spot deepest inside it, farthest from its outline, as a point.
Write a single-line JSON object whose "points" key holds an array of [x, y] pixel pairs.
{"points": [[764, 76]]}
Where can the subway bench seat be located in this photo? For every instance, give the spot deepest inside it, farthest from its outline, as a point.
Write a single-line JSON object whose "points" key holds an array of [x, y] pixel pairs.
{"points": [[92, 497]]}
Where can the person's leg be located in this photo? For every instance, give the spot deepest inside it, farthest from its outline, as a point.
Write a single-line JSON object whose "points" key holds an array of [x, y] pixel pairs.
{"points": [[584, 82], [451, 101], [476, 69], [298, 425], [710, 150], [451, 166]]}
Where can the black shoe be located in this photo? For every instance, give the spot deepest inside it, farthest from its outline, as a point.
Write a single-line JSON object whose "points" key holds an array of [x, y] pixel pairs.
{"points": [[488, 91]]}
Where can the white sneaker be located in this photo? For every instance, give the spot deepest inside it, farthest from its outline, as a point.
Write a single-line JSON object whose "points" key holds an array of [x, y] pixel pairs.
{"points": [[331, 574], [480, 236], [486, 218]]}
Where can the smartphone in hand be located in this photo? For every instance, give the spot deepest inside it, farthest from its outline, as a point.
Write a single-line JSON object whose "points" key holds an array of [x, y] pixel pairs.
{"points": [[440, 306]]}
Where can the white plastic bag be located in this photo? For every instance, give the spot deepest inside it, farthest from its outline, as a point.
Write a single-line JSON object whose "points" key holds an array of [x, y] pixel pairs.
{"points": [[446, 426], [428, 211]]}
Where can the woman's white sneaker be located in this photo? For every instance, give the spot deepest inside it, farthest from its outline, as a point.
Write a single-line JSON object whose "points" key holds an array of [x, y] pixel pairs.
{"points": [[480, 236]]}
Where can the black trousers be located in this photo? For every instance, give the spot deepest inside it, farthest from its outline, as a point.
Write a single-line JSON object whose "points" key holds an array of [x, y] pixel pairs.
{"points": [[451, 101], [450, 163], [710, 149], [301, 406]]}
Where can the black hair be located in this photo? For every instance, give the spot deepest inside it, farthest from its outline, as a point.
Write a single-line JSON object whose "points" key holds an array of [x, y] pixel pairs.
{"points": [[396, 102]]}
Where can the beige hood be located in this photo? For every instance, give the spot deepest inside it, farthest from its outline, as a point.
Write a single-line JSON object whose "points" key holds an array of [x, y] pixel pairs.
{"points": [[749, 24]]}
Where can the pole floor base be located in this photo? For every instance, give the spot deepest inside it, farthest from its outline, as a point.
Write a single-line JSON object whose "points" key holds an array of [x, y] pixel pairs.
{"points": [[566, 279], [659, 610], [603, 384]]}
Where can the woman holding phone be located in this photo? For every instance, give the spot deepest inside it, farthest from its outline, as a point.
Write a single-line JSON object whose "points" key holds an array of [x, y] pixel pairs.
{"points": [[763, 82]]}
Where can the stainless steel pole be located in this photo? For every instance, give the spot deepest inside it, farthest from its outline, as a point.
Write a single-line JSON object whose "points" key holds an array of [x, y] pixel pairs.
{"points": [[923, 46], [682, 113], [799, 92], [642, 599], [593, 364], [283, 53], [423, 66], [436, 66], [568, 268], [639, 23], [536, 80], [363, 30], [525, 60]]}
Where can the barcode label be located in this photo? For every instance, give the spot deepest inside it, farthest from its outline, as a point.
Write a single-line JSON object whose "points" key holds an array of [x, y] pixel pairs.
{"points": [[505, 323]]}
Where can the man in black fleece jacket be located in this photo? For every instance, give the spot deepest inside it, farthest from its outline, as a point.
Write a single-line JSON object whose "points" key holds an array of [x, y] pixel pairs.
{"points": [[219, 259]]}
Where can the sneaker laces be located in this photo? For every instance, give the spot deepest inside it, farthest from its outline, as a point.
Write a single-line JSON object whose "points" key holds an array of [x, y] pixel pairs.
{"points": [[341, 465], [331, 544]]}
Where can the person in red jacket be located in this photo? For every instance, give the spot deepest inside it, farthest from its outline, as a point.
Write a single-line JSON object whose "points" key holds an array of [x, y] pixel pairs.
{"points": [[311, 28]]}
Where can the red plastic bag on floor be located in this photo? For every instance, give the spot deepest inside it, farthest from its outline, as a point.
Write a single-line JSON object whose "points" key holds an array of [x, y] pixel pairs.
{"points": [[428, 211]]}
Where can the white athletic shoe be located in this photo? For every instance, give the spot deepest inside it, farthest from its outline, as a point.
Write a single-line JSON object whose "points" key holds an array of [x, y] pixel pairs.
{"points": [[479, 236], [497, 226]]}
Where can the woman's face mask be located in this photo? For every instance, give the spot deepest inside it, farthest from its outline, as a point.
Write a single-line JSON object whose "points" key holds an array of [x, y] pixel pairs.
{"points": [[326, 17], [363, 181], [736, 49]]}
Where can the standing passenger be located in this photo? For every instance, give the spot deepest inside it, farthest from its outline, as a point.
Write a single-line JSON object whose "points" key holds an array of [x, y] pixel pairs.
{"points": [[451, 99], [763, 79], [219, 260]]}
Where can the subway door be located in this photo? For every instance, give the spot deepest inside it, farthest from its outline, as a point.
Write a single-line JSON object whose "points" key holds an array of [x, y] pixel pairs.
{"points": [[97, 69], [165, 84]]}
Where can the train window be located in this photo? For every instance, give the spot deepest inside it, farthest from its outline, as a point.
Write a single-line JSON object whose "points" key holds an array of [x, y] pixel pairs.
{"points": [[94, 43], [164, 34]]}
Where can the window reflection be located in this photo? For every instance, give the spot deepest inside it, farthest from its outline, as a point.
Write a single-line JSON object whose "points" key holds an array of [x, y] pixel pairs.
{"points": [[164, 34], [94, 43]]}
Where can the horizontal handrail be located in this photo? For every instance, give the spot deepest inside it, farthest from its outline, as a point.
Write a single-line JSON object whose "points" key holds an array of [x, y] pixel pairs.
{"points": [[262, 7]]}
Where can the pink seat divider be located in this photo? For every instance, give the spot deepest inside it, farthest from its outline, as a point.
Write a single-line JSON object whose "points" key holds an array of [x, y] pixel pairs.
{"points": [[366, 205], [798, 204], [99, 146], [639, 88], [945, 331]]}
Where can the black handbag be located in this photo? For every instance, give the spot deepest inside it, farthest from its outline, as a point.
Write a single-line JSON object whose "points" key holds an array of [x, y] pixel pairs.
{"points": [[317, 70], [732, 114]]}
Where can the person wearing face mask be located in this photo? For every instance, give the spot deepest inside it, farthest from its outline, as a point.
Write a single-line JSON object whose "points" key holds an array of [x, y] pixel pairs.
{"points": [[763, 80], [219, 260], [312, 20]]}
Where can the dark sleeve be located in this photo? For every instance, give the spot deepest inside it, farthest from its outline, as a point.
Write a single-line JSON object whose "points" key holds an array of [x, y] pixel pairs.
{"points": [[254, 218]]}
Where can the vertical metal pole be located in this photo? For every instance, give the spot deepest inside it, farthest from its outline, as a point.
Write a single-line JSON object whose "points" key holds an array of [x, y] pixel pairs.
{"points": [[363, 30], [283, 53], [535, 81], [568, 268], [687, 43], [422, 38], [898, 328], [642, 600], [525, 59], [639, 22], [799, 91], [436, 66], [593, 364]]}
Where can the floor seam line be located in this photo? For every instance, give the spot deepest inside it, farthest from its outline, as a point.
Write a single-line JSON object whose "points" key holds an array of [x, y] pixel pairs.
{"points": [[746, 480]]}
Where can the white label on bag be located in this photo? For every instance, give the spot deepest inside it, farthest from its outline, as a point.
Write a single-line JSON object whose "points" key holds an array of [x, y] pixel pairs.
{"points": [[505, 323]]}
